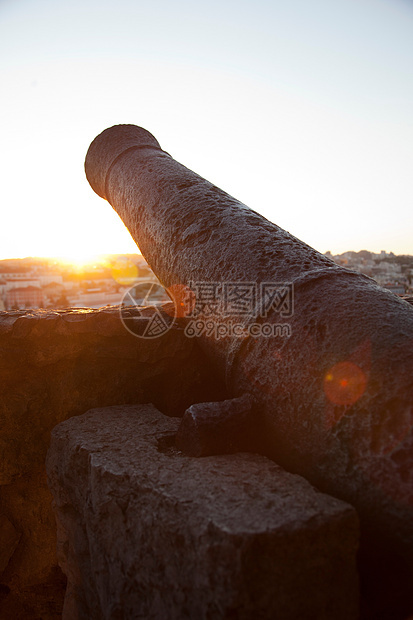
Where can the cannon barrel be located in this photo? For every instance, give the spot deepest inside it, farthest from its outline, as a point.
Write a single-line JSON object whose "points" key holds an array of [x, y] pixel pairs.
{"points": [[333, 391]]}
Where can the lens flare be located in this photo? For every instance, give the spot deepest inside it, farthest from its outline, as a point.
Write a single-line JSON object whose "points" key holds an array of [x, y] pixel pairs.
{"points": [[124, 271], [344, 383]]}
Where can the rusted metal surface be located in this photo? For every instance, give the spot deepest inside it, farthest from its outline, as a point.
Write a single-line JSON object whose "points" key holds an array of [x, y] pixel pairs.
{"points": [[334, 398]]}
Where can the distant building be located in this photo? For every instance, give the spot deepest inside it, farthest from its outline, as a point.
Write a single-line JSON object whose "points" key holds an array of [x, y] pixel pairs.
{"points": [[18, 282], [53, 291], [15, 275], [24, 297], [397, 289], [50, 278], [2, 294], [96, 299]]}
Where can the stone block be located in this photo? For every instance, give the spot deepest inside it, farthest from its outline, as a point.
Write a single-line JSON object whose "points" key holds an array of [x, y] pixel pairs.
{"points": [[148, 532]]}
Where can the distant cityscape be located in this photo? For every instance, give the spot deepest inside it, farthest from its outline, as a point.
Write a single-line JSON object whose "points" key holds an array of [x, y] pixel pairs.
{"points": [[389, 270], [48, 283], [55, 284]]}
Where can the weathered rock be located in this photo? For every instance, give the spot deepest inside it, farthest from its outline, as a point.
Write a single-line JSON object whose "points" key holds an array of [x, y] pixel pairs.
{"points": [[9, 539], [32, 586], [147, 532], [27, 504], [222, 427], [58, 364], [41, 601]]}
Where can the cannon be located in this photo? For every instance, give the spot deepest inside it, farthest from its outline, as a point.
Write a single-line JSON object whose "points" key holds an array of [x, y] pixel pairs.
{"points": [[323, 353]]}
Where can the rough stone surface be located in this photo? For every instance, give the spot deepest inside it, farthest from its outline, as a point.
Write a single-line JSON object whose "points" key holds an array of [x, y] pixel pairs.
{"points": [[32, 585], [41, 601], [222, 427], [9, 538], [58, 364], [334, 399], [27, 504], [147, 532]]}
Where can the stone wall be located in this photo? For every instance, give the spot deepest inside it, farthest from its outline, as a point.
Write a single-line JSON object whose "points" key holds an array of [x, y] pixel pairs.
{"points": [[55, 365]]}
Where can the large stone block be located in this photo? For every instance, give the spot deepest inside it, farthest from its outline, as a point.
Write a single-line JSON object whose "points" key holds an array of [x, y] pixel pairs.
{"points": [[147, 532]]}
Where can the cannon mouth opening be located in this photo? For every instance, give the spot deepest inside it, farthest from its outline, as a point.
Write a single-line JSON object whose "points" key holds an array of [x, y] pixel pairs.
{"points": [[108, 147]]}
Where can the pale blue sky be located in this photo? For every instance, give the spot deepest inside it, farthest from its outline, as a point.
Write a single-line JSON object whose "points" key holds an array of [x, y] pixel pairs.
{"points": [[301, 109]]}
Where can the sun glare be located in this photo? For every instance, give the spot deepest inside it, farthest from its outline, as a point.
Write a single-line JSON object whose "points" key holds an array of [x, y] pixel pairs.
{"points": [[80, 260]]}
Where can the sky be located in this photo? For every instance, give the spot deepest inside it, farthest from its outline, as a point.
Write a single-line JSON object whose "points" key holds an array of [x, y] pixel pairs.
{"points": [[303, 110]]}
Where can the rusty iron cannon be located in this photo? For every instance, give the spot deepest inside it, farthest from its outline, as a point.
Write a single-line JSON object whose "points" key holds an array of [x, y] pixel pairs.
{"points": [[325, 354]]}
